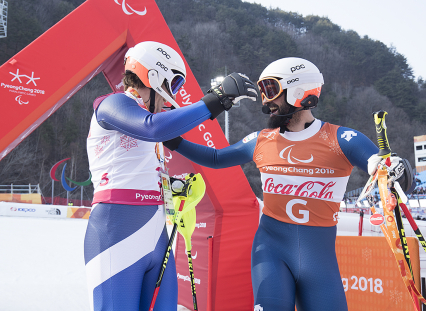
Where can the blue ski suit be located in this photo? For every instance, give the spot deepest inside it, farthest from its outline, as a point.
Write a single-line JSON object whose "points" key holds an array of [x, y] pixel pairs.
{"points": [[293, 262], [126, 236]]}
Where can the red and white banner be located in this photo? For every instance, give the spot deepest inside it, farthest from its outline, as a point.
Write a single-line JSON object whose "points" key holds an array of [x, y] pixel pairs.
{"points": [[93, 39]]}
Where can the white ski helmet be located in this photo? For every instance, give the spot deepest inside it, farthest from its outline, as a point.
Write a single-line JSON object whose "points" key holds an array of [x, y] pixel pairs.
{"points": [[300, 77], [155, 63]]}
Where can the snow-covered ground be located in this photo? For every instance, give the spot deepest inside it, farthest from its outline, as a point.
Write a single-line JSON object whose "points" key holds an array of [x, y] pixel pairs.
{"points": [[42, 266]]}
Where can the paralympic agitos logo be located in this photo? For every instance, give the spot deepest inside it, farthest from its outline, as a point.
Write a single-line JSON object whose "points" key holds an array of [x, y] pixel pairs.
{"points": [[290, 159], [63, 178], [128, 10]]}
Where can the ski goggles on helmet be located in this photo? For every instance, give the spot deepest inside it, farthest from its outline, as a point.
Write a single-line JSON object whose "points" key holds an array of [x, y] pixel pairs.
{"points": [[270, 88], [174, 85]]}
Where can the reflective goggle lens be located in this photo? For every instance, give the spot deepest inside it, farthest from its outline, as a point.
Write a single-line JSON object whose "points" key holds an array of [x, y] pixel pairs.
{"points": [[177, 82], [270, 88]]}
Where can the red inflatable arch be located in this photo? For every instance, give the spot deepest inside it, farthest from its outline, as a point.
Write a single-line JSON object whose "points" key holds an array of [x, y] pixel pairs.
{"points": [[93, 39]]}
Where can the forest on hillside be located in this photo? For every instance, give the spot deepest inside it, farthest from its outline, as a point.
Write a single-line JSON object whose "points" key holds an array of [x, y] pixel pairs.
{"points": [[222, 36]]}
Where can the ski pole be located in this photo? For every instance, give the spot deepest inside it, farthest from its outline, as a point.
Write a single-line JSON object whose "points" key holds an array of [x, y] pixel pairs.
{"points": [[165, 260], [361, 221], [413, 225], [185, 190], [187, 227], [391, 227], [191, 275]]}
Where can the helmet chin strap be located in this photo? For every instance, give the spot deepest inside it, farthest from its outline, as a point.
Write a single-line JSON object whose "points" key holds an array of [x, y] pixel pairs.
{"points": [[287, 117], [152, 103], [267, 110], [153, 80]]}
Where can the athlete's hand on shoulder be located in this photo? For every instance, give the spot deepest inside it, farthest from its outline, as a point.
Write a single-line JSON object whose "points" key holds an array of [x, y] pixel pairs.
{"points": [[234, 88]]}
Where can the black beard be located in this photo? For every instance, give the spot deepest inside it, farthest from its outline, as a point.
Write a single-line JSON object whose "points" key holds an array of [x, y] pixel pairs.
{"points": [[281, 122]]}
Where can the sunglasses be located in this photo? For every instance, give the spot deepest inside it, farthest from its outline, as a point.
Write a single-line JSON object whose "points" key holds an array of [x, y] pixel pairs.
{"points": [[175, 84], [270, 88]]}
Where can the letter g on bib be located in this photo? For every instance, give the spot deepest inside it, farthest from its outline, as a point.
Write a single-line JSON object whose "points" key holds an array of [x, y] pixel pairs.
{"points": [[289, 211]]}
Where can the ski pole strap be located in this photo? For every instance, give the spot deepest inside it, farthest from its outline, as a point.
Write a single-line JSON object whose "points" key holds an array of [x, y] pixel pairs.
{"points": [[381, 132], [391, 233]]}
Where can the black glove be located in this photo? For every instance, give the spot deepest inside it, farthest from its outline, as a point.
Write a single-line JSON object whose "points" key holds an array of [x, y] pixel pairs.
{"points": [[173, 143], [402, 173], [233, 88], [400, 170]]}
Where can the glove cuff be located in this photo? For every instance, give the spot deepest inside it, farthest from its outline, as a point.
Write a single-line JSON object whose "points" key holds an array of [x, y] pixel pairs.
{"points": [[173, 144], [213, 104], [407, 179]]}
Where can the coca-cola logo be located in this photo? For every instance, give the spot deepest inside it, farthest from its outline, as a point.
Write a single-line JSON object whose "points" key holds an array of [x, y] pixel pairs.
{"points": [[377, 219], [310, 189]]}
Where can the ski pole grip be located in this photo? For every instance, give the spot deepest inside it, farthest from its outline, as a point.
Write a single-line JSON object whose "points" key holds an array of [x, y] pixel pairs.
{"points": [[382, 137]]}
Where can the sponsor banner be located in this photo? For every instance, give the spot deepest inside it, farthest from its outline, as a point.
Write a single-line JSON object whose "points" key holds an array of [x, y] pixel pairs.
{"points": [[32, 210], [370, 273], [325, 188], [32, 198], [78, 212]]}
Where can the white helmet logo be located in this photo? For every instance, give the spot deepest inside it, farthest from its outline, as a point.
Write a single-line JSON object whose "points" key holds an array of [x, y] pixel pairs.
{"points": [[164, 53], [289, 157], [293, 69], [126, 8]]}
